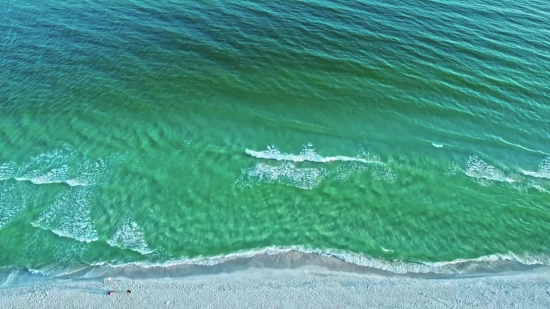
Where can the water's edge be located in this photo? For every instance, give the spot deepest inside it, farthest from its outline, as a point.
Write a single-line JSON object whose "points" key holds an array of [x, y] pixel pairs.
{"points": [[276, 259]]}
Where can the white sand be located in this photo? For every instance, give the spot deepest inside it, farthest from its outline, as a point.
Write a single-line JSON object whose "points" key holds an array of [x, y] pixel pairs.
{"points": [[299, 288]]}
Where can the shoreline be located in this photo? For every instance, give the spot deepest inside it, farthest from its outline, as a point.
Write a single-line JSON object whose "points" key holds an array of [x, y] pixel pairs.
{"points": [[281, 261]]}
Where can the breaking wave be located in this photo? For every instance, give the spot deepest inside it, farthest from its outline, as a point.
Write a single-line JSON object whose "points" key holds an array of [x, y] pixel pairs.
{"points": [[543, 171], [307, 154], [69, 215], [289, 173], [59, 166], [479, 170], [457, 266], [129, 235]]}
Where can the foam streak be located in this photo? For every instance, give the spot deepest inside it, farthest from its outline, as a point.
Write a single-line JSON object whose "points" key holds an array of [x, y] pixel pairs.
{"points": [[307, 154]]}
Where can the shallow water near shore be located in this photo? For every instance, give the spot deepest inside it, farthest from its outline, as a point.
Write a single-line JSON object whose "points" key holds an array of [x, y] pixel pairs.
{"points": [[402, 136]]}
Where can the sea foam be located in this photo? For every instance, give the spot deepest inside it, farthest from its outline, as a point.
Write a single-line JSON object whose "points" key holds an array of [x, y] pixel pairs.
{"points": [[69, 215], [483, 173], [289, 173], [285, 173], [457, 266], [14, 197], [129, 235], [7, 170], [60, 166], [486, 174], [543, 171], [307, 154]]}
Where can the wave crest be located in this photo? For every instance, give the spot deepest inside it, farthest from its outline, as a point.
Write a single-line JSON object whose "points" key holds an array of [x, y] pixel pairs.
{"points": [[307, 154], [457, 266], [288, 172]]}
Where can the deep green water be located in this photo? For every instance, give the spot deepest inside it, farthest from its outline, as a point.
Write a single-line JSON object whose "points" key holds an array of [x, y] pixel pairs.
{"points": [[148, 131]]}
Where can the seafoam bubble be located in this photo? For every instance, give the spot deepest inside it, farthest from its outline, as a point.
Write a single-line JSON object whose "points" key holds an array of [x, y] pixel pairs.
{"points": [[306, 154], [288, 173], [285, 173], [14, 197], [92, 172], [457, 266], [55, 175], [346, 169], [64, 166], [484, 173], [544, 167], [543, 171], [129, 235], [7, 170], [538, 186], [528, 184], [69, 215], [452, 169], [384, 172], [378, 169], [44, 163]]}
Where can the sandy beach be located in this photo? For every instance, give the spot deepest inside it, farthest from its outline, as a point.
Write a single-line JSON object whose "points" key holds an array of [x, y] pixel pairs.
{"points": [[303, 287]]}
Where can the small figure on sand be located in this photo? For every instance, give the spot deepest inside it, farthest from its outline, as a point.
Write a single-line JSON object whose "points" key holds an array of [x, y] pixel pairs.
{"points": [[129, 292], [110, 293]]}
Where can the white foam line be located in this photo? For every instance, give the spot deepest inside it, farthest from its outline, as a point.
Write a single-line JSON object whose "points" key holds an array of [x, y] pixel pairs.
{"points": [[491, 178], [543, 172], [536, 174], [41, 181], [59, 166], [479, 169], [395, 266], [62, 233], [274, 154], [57, 274]]}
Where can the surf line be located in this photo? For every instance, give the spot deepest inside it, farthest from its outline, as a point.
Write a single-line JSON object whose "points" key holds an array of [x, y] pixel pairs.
{"points": [[274, 154]]}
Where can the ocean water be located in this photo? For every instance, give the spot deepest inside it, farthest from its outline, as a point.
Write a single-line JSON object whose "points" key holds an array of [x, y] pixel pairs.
{"points": [[402, 135]]}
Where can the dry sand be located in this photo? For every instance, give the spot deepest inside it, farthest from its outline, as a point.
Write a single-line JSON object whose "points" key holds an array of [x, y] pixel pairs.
{"points": [[304, 287]]}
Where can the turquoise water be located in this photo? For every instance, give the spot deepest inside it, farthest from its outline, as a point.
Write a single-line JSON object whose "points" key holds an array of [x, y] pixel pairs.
{"points": [[386, 133]]}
